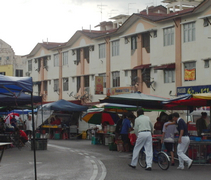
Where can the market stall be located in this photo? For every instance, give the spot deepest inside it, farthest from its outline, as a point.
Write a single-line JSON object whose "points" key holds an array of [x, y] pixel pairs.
{"points": [[10, 86], [63, 122], [200, 147]]}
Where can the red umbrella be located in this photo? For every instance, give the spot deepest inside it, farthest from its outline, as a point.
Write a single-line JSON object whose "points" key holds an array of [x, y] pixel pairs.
{"points": [[10, 116]]}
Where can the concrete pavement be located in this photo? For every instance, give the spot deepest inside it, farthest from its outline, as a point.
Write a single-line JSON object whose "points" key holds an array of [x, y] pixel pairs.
{"points": [[80, 160]]}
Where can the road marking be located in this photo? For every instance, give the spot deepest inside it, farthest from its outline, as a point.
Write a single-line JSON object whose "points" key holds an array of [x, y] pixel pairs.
{"points": [[104, 171], [95, 167], [95, 171]]}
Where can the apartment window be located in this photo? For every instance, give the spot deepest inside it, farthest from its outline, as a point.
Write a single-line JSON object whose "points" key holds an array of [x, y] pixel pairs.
{"points": [[115, 48], [189, 32], [102, 53], [19, 73], [65, 84], [45, 63], [78, 83], [168, 35], [86, 53], [7, 58], [86, 81], [104, 79], [56, 85], [65, 58], [190, 71], [0, 58], [45, 86], [133, 42], [116, 79], [30, 65], [134, 78], [207, 63], [206, 22], [146, 41], [2, 73], [169, 76], [56, 60], [78, 55]]}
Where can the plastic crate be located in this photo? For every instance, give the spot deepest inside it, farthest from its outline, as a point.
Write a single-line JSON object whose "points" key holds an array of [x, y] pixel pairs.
{"points": [[40, 144]]}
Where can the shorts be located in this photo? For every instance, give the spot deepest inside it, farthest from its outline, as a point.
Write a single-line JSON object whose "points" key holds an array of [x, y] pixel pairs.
{"points": [[169, 146]]}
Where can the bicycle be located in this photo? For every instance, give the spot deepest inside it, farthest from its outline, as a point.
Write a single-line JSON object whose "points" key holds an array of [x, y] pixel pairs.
{"points": [[159, 157]]}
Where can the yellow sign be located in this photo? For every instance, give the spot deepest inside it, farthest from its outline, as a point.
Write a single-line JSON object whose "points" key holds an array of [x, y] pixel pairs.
{"points": [[98, 85], [190, 74], [118, 90]]}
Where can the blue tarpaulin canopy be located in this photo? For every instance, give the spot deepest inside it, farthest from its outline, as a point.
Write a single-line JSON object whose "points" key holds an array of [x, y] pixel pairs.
{"points": [[17, 99], [9, 84], [63, 105]]}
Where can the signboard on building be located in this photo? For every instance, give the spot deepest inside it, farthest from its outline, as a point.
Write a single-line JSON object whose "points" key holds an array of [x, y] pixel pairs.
{"points": [[190, 74], [98, 84], [193, 89], [118, 90]]}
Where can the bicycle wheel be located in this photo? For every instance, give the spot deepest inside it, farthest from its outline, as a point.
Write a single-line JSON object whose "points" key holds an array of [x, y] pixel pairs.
{"points": [[142, 159], [163, 161]]}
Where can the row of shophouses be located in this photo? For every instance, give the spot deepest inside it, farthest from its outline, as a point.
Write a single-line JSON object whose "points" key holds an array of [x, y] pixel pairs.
{"points": [[160, 51]]}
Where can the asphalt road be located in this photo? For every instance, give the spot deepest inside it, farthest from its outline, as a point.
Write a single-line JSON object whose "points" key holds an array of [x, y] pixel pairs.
{"points": [[80, 160]]}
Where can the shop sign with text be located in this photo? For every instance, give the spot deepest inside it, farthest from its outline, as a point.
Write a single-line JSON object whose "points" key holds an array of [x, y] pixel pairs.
{"points": [[118, 90], [193, 89]]}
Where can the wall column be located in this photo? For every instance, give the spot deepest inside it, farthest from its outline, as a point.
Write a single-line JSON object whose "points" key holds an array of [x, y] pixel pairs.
{"points": [[139, 62], [60, 74], [108, 63], [178, 53], [82, 70]]}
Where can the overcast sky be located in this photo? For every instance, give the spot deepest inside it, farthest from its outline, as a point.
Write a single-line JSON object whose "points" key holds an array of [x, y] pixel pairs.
{"points": [[24, 23]]}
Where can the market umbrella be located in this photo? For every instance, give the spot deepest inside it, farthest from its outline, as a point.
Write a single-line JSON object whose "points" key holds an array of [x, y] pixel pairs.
{"points": [[136, 99], [118, 108], [10, 116], [101, 117]]}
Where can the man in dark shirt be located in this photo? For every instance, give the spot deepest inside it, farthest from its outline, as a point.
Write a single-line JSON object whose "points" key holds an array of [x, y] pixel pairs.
{"points": [[201, 123], [183, 142]]}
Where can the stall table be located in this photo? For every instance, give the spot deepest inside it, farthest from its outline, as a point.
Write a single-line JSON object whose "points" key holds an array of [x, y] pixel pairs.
{"points": [[200, 152]]}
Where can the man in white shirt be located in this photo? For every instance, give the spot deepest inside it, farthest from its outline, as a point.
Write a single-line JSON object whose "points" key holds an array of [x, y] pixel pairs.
{"points": [[143, 129]]}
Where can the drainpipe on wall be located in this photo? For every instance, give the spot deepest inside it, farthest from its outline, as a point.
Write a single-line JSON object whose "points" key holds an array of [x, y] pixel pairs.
{"points": [[60, 73]]}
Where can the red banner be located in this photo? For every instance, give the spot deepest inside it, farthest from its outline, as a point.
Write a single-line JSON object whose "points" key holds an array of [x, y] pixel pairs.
{"points": [[98, 84]]}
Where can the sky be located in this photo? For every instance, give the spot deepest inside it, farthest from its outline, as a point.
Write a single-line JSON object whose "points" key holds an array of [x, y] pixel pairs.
{"points": [[24, 23]]}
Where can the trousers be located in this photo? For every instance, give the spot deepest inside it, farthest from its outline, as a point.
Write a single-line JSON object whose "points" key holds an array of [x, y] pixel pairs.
{"points": [[144, 139], [181, 150]]}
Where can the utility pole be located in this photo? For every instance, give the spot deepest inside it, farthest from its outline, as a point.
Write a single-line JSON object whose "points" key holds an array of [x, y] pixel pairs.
{"points": [[101, 9]]}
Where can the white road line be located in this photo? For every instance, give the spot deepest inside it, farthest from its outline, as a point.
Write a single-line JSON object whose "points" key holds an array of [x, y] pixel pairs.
{"points": [[95, 167], [104, 171], [95, 171]]}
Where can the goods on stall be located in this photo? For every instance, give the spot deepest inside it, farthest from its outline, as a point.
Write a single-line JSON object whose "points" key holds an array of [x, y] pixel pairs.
{"points": [[120, 147]]}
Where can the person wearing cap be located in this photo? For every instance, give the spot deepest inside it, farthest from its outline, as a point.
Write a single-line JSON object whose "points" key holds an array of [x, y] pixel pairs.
{"points": [[28, 123], [201, 123], [143, 129]]}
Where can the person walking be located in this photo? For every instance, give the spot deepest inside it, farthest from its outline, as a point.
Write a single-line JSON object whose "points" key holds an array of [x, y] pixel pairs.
{"points": [[126, 128], [28, 123], [168, 137], [143, 129], [183, 142]]}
